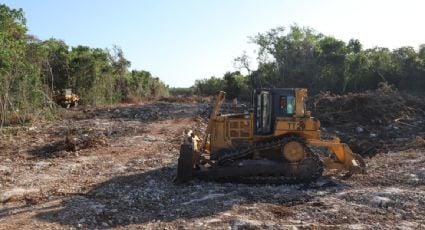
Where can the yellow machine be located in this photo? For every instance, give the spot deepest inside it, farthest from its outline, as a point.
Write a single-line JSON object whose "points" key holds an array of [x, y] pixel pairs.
{"points": [[272, 141], [67, 99]]}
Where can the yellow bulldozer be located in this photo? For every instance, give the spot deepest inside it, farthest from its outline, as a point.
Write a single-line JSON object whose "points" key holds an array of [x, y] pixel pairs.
{"points": [[272, 142], [66, 98]]}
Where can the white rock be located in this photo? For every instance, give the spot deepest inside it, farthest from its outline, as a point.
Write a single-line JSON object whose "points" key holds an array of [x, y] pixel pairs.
{"points": [[149, 138], [421, 175], [4, 169], [16, 193], [379, 201], [97, 208], [120, 169], [390, 191], [358, 226], [407, 225], [41, 165], [206, 197]]}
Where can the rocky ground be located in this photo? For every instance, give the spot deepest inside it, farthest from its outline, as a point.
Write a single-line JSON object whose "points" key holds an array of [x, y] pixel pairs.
{"points": [[114, 168]]}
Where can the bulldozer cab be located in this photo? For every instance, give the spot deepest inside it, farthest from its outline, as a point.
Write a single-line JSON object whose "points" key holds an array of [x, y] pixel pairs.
{"points": [[269, 104], [67, 92]]}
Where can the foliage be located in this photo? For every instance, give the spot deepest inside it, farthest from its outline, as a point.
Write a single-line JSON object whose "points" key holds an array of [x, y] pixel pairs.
{"points": [[209, 86], [182, 91], [32, 71], [17, 74], [302, 57], [144, 85]]}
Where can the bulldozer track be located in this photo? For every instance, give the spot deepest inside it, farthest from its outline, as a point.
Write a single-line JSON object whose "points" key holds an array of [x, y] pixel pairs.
{"points": [[230, 155], [305, 171]]}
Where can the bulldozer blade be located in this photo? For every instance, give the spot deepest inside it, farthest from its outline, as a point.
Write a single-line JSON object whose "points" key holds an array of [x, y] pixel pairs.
{"points": [[185, 164], [355, 166], [359, 166], [343, 158]]}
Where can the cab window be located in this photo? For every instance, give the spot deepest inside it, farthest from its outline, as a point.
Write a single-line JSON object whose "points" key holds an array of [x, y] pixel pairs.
{"points": [[263, 113], [290, 105], [282, 104], [286, 105]]}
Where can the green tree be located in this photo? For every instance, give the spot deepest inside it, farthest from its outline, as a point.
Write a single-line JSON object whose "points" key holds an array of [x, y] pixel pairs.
{"points": [[120, 67], [236, 85], [56, 71], [209, 86], [331, 55], [18, 80], [91, 75], [301, 57], [409, 69], [290, 58], [32, 69]]}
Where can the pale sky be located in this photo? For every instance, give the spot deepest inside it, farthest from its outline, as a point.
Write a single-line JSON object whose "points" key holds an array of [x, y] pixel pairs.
{"points": [[183, 40]]}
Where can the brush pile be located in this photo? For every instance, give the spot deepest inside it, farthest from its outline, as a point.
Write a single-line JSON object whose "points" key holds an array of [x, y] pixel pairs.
{"points": [[372, 121]]}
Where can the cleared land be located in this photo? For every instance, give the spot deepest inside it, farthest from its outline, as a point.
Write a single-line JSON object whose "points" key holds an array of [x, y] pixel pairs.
{"points": [[114, 168]]}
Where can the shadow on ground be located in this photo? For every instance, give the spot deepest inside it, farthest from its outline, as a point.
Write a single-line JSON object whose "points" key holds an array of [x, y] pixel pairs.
{"points": [[49, 150], [152, 196]]}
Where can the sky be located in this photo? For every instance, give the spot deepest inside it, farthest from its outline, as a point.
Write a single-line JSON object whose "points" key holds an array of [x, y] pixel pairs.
{"points": [[183, 40]]}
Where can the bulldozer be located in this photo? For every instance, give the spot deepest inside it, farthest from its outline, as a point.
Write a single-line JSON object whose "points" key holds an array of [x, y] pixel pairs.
{"points": [[66, 98], [275, 141]]}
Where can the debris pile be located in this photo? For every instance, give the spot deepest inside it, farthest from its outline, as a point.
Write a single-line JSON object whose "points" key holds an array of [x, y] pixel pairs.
{"points": [[372, 121], [185, 99], [152, 112], [75, 143]]}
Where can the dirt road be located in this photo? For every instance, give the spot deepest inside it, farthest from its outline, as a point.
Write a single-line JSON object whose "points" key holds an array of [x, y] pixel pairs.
{"points": [[114, 168]]}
